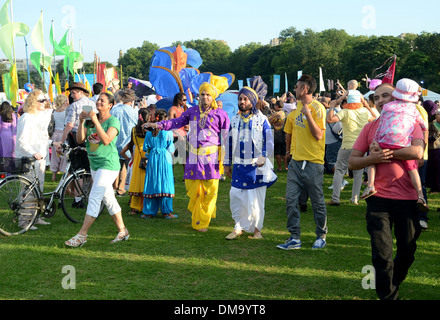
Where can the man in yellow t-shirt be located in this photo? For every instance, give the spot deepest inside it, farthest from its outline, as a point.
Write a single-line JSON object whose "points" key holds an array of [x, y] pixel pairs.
{"points": [[305, 141]]}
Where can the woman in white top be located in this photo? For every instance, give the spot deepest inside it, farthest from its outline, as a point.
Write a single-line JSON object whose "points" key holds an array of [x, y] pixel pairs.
{"points": [[32, 136], [57, 161]]}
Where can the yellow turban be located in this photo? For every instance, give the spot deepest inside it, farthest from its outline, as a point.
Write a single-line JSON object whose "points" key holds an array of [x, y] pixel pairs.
{"points": [[212, 91]]}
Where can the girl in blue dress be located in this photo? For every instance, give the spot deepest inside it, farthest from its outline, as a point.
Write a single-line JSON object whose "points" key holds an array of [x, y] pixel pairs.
{"points": [[159, 178]]}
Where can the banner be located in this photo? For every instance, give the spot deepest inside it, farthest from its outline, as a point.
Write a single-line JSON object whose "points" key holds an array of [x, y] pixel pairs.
{"points": [[321, 81], [37, 37], [285, 78], [276, 83], [389, 76], [240, 84]]}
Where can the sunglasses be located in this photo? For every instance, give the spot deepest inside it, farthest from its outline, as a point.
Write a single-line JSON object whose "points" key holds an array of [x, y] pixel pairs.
{"points": [[42, 100]]}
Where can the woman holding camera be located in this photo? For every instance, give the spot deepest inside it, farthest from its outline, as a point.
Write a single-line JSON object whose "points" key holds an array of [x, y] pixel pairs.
{"points": [[100, 133]]}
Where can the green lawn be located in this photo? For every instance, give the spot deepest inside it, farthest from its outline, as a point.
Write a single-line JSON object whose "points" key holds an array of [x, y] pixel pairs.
{"points": [[168, 260]]}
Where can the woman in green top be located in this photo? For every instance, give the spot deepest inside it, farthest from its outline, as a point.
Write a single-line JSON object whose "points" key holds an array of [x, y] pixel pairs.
{"points": [[100, 133]]}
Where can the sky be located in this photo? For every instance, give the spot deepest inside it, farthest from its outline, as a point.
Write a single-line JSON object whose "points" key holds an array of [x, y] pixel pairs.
{"points": [[105, 27]]}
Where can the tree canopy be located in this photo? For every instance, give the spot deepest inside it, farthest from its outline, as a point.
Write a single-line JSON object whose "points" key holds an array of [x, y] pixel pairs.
{"points": [[340, 55]]}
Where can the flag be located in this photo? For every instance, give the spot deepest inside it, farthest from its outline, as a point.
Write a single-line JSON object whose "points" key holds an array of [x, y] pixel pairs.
{"points": [[40, 61], [100, 75], [7, 35], [321, 81], [276, 83], [285, 79], [58, 84], [240, 84], [389, 76], [10, 85], [4, 14], [300, 73], [37, 37], [50, 89]]}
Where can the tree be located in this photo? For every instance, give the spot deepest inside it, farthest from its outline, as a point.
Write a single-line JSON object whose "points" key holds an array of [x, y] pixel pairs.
{"points": [[136, 61], [215, 54]]}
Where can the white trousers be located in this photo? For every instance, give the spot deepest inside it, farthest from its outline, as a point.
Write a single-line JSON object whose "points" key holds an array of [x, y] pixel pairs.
{"points": [[102, 190], [247, 207]]}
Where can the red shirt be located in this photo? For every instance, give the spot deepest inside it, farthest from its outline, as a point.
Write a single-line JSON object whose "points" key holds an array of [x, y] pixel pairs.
{"points": [[392, 180]]}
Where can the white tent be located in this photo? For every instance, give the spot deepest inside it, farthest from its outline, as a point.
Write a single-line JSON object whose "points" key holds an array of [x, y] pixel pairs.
{"points": [[430, 95]]}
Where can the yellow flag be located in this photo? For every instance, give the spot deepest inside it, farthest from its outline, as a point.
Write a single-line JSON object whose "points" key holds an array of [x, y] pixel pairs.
{"points": [[14, 85], [58, 84], [50, 89]]}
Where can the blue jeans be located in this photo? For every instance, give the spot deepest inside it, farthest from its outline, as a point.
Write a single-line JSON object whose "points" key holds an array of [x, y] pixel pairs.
{"points": [[311, 179]]}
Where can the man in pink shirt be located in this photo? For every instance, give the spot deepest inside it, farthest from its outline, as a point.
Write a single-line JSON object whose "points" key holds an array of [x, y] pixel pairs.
{"points": [[394, 205]]}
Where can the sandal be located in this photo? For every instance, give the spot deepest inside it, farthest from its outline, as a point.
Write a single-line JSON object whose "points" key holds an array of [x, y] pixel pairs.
{"points": [[146, 216], [421, 205], [76, 241], [234, 235], [122, 236], [368, 192], [170, 216]]}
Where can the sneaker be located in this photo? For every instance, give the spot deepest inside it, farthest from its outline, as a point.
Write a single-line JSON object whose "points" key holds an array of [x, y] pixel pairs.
{"points": [[290, 244], [78, 204], [319, 244], [423, 224], [343, 185], [41, 222]]}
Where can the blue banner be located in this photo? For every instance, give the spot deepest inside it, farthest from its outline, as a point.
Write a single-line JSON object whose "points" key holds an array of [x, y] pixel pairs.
{"points": [[276, 83], [240, 84]]}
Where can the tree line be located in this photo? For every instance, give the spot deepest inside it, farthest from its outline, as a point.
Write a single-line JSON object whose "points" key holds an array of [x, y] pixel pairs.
{"points": [[340, 55]]}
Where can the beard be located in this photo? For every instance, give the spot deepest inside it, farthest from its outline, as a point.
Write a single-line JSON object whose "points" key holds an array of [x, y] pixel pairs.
{"points": [[244, 108]]}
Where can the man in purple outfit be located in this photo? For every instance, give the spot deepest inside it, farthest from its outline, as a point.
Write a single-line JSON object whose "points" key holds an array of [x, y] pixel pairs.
{"points": [[208, 129]]}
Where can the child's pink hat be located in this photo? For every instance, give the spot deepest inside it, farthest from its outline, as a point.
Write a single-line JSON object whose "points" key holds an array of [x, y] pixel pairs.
{"points": [[407, 90]]}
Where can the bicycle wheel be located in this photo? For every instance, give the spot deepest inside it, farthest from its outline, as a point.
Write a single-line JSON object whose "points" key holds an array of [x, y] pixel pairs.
{"points": [[75, 196], [19, 205]]}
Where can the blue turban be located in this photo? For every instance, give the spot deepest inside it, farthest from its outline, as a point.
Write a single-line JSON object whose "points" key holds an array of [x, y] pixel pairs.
{"points": [[251, 95]]}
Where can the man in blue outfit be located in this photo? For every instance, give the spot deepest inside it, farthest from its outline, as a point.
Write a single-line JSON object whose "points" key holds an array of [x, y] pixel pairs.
{"points": [[250, 144]]}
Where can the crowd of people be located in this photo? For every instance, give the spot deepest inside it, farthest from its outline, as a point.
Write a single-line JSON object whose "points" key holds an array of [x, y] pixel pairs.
{"points": [[390, 142]]}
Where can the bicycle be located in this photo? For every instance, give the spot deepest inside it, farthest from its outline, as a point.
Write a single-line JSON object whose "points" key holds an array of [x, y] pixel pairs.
{"points": [[22, 202]]}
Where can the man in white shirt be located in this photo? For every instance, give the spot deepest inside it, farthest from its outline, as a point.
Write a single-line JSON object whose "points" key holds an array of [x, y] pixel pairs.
{"points": [[80, 98]]}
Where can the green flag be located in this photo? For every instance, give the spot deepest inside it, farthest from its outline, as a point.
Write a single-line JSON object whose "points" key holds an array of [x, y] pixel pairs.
{"points": [[7, 35], [39, 60], [61, 48], [38, 38], [4, 14]]}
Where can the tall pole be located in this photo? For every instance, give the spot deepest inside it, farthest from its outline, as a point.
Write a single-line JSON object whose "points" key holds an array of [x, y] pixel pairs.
{"points": [[27, 60]]}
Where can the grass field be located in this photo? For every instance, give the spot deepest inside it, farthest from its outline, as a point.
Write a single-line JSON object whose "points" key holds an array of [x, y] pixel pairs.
{"points": [[168, 260]]}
